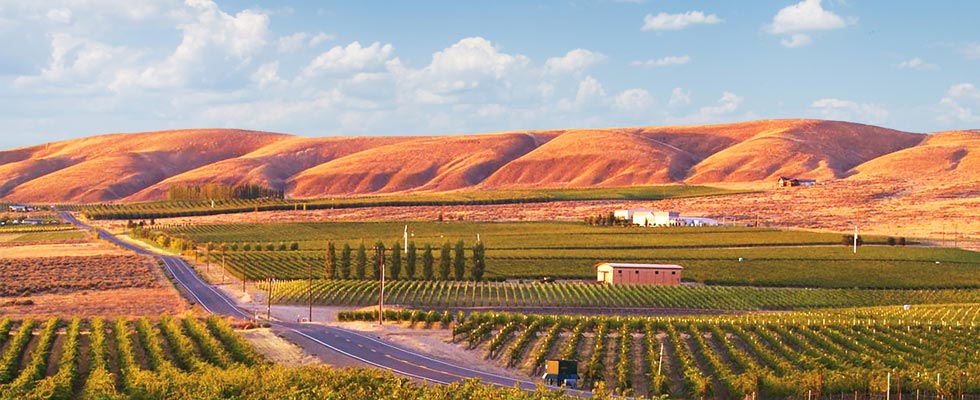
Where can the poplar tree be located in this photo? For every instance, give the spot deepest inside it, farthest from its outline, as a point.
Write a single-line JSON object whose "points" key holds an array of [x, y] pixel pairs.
{"points": [[427, 261], [360, 267], [410, 260], [445, 261], [459, 261]]}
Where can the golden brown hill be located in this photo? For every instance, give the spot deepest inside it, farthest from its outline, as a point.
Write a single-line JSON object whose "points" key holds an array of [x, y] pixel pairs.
{"points": [[947, 163], [429, 164], [595, 157], [110, 167], [138, 167], [270, 166], [801, 148]]}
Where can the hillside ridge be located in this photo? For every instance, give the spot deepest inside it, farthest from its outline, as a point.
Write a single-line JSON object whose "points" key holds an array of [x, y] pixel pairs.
{"points": [[142, 166]]}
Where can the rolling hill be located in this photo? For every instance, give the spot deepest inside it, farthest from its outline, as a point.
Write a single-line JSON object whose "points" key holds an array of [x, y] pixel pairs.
{"points": [[142, 166]]}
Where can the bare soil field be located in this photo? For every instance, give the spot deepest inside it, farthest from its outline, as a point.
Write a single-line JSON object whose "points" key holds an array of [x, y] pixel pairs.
{"points": [[940, 214], [43, 275], [84, 249], [129, 302], [84, 277]]}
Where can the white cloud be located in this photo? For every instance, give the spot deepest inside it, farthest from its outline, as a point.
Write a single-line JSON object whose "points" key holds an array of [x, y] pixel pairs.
{"points": [[960, 104], [320, 38], [78, 62], [574, 61], [663, 62], [846, 110], [292, 42], [590, 92], [673, 22], [353, 57], [474, 55], [722, 110], [971, 51], [679, 97], [801, 18], [796, 40], [59, 15], [805, 16], [300, 40], [633, 100], [917, 64], [267, 74], [213, 42]]}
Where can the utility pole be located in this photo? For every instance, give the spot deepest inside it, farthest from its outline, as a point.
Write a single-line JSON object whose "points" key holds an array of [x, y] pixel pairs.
{"points": [[222, 263], [381, 297], [855, 239], [405, 248], [660, 364], [888, 389], [268, 306], [311, 294]]}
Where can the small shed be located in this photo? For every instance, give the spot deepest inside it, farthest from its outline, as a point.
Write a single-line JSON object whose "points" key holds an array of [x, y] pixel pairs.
{"points": [[638, 274]]}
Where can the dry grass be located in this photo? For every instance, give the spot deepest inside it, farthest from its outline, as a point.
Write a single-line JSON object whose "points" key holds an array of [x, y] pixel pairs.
{"points": [[85, 249], [130, 302], [41, 275]]}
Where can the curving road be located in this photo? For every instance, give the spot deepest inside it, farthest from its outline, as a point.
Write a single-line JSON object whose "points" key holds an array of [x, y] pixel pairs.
{"points": [[363, 348]]}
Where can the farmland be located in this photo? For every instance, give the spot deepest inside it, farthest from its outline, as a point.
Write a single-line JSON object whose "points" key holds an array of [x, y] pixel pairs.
{"points": [[928, 350], [180, 208], [66, 273], [27, 276], [181, 358], [769, 257], [622, 298]]}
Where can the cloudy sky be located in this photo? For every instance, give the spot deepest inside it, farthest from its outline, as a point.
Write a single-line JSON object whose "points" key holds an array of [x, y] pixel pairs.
{"points": [[73, 68]]}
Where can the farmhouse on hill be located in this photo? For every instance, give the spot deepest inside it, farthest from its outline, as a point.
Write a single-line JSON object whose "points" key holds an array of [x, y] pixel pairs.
{"points": [[638, 274], [19, 208], [789, 182]]}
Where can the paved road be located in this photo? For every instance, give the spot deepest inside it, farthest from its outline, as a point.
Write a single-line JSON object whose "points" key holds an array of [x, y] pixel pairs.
{"points": [[363, 348]]}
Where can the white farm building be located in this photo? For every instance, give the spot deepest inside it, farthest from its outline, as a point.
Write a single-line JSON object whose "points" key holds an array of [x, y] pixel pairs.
{"points": [[646, 217]]}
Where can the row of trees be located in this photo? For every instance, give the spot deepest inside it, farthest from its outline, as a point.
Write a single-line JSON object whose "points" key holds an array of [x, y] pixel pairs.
{"points": [[452, 262], [606, 220], [212, 191]]}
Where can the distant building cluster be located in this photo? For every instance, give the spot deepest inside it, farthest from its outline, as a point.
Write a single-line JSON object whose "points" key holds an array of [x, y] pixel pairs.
{"points": [[647, 217], [20, 208], [790, 182]]}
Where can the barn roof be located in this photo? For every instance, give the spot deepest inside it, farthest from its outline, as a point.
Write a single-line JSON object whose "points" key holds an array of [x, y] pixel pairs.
{"points": [[641, 266]]}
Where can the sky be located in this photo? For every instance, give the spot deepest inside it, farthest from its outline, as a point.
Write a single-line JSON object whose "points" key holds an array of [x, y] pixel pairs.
{"points": [[76, 68]]}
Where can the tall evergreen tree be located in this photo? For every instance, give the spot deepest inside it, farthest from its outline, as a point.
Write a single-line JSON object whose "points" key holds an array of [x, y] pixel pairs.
{"points": [[445, 261], [427, 261], [330, 270], [396, 261], [479, 261], [360, 266], [410, 260], [345, 263], [459, 261]]}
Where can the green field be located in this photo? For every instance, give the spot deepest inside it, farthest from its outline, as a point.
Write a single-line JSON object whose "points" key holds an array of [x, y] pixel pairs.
{"points": [[926, 351], [44, 236], [558, 295], [184, 359], [182, 208], [570, 250]]}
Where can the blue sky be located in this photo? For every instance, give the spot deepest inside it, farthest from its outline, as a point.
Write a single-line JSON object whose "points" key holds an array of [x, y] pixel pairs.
{"points": [[73, 68]]}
